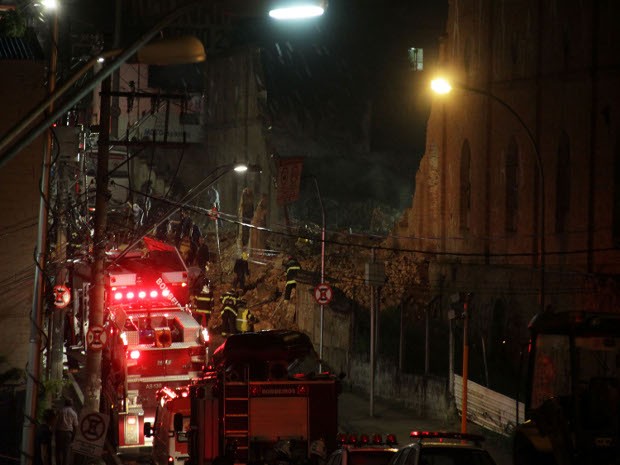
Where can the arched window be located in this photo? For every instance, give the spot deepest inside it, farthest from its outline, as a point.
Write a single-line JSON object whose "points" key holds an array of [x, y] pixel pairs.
{"points": [[512, 185], [562, 193], [465, 187]]}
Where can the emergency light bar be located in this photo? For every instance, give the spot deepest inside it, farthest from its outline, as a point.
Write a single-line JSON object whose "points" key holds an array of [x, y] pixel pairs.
{"points": [[446, 435], [366, 440], [125, 295]]}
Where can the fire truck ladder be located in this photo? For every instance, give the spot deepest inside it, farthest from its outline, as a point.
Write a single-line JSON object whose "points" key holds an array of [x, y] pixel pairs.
{"points": [[236, 412]]}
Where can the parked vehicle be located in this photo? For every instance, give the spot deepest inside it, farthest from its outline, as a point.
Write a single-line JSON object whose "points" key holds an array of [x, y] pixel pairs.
{"points": [[572, 402], [363, 450], [262, 399], [443, 448], [170, 442]]}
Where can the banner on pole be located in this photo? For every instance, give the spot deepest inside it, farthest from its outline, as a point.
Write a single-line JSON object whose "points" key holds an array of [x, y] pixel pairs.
{"points": [[289, 178]]}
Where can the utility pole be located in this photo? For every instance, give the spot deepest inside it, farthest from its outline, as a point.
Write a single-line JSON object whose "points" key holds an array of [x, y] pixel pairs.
{"points": [[92, 392], [465, 363], [36, 312]]}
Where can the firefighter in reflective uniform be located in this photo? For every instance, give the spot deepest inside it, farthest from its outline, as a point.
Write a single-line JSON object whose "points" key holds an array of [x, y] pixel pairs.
{"points": [[245, 318], [204, 302], [229, 312], [291, 266]]}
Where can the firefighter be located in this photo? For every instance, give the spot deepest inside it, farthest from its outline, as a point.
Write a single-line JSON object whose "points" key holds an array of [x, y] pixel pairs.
{"points": [[204, 303], [241, 269], [229, 312], [291, 266], [245, 318]]}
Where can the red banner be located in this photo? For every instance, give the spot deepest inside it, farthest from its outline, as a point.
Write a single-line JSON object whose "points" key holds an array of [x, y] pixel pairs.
{"points": [[154, 244], [289, 178]]}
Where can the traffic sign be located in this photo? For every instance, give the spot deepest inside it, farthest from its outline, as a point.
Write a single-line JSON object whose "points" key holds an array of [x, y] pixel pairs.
{"points": [[62, 296], [323, 294], [96, 337], [90, 436]]}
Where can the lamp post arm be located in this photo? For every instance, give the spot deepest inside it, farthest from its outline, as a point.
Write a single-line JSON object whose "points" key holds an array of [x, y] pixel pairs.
{"points": [[541, 182], [84, 90]]}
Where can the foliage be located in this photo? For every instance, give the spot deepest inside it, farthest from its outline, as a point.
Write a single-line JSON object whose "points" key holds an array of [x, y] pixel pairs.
{"points": [[12, 24]]}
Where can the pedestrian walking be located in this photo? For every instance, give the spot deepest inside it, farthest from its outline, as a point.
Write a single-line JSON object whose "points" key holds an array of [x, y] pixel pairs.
{"points": [[241, 270], [291, 267], [66, 427], [43, 439], [229, 312]]}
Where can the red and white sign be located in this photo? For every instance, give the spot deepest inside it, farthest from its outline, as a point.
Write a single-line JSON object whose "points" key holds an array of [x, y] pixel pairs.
{"points": [[289, 178], [323, 294], [96, 337], [62, 296]]}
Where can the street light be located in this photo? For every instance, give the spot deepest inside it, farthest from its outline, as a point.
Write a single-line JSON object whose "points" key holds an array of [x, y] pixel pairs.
{"points": [[296, 9], [443, 86]]}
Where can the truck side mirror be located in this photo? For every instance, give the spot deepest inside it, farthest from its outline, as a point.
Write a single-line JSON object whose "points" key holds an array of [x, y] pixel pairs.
{"points": [[148, 429], [178, 421]]}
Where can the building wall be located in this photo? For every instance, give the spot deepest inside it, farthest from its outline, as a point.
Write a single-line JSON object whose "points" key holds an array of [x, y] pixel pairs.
{"points": [[552, 65], [20, 90]]}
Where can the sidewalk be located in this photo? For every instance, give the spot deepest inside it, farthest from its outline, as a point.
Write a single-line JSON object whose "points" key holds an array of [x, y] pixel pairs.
{"points": [[353, 415]]}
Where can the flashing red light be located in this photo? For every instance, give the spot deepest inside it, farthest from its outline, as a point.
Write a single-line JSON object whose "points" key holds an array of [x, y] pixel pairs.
{"points": [[134, 354], [141, 294], [254, 391], [341, 438], [170, 459], [184, 394], [153, 294], [183, 284], [165, 293], [302, 390], [352, 439], [118, 295], [364, 439], [391, 439], [130, 295], [377, 439]]}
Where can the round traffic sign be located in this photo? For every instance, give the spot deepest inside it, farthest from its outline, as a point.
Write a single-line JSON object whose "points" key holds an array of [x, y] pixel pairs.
{"points": [[96, 337], [62, 296], [323, 294]]}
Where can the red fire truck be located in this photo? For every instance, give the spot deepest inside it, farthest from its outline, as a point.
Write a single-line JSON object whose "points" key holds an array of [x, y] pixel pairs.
{"points": [[155, 341], [263, 395]]}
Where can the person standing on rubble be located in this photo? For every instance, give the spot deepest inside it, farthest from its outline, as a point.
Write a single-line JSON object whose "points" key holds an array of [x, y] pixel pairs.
{"points": [[229, 312], [291, 268], [241, 269]]}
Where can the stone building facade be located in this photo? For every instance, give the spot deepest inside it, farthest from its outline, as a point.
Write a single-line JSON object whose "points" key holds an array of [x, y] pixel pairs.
{"points": [[529, 129]]}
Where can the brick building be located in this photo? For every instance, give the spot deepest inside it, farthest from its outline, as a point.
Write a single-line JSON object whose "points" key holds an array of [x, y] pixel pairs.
{"points": [[548, 68], [20, 90]]}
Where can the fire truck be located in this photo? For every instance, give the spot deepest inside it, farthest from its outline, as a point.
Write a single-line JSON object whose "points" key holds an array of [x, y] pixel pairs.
{"points": [[573, 394], [155, 342], [262, 395]]}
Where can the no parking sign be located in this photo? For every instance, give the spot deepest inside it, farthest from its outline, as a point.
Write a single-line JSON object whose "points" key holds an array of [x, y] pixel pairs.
{"points": [[96, 337], [323, 294]]}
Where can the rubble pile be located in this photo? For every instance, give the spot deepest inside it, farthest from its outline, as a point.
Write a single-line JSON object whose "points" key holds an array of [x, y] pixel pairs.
{"points": [[345, 260]]}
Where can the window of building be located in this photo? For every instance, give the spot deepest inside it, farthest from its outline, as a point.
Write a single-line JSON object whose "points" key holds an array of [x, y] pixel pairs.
{"points": [[416, 58], [562, 184], [512, 185], [465, 187]]}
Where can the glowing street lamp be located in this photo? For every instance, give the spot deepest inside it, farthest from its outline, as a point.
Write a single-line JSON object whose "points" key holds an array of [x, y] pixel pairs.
{"points": [[297, 9]]}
